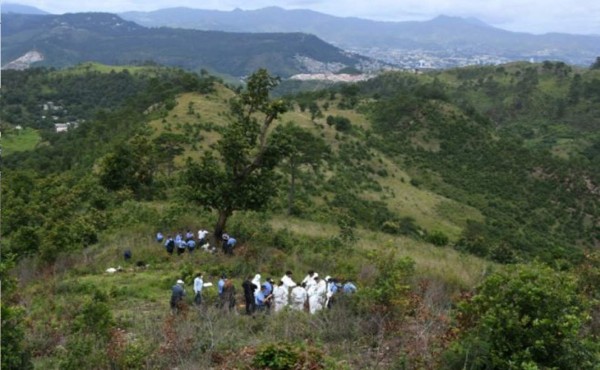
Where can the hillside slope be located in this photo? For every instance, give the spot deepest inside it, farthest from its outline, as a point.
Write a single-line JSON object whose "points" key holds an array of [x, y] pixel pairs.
{"points": [[417, 196]]}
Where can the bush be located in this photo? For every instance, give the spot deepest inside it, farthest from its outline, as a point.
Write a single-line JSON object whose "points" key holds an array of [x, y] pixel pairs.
{"points": [[286, 356], [438, 238], [527, 318]]}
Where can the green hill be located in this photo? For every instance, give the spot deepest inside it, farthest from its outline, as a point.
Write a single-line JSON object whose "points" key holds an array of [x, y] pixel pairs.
{"points": [[433, 202]]}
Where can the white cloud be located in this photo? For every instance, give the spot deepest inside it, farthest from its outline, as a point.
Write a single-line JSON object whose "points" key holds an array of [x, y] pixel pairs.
{"points": [[538, 16]]}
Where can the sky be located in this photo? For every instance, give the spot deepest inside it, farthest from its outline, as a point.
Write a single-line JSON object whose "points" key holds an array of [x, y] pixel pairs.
{"points": [[533, 16]]}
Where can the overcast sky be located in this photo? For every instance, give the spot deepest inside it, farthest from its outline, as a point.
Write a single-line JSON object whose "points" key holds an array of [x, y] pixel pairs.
{"points": [[535, 16]]}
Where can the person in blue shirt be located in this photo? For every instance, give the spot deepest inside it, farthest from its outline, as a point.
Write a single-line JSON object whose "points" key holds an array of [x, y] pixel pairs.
{"points": [[268, 290], [191, 245], [349, 288], [189, 236], [262, 300], [159, 237], [230, 245], [221, 284], [179, 244]]}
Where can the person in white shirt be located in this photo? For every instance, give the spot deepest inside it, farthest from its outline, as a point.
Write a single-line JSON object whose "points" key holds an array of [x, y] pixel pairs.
{"points": [[309, 280], [202, 237], [198, 284], [287, 280], [280, 295], [317, 295], [298, 297], [256, 281]]}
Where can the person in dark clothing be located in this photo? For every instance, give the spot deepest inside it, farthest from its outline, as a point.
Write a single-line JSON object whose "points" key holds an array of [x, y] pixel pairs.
{"points": [[177, 294], [224, 237], [249, 289], [170, 245], [127, 255], [228, 296]]}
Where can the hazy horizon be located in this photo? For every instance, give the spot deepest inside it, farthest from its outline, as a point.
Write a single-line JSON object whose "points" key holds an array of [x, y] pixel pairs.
{"points": [[533, 16]]}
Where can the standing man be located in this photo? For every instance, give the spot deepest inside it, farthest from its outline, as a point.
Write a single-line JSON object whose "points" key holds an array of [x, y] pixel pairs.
{"points": [[202, 237], [228, 296], [221, 284], [249, 298], [170, 245], [299, 297], [316, 295], [191, 245], [287, 280], [198, 285], [177, 294], [280, 296], [268, 291]]}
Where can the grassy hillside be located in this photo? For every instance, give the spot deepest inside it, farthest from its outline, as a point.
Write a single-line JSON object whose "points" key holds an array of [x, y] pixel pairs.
{"points": [[431, 205]]}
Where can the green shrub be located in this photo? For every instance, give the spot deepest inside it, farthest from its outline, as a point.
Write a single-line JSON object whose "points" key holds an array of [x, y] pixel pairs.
{"points": [[438, 238], [527, 318], [287, 356]]}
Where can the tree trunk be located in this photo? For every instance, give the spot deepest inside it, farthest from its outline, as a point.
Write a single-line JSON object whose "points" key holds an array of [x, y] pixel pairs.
{"points": [[292, 189], [220, 226]]}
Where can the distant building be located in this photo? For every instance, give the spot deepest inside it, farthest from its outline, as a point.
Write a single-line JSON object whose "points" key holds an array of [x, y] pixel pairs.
{"points": [[62, 127]]}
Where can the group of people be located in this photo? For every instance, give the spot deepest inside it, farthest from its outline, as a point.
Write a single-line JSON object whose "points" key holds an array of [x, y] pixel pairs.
{"points": [[180, 242], [312, 294]]}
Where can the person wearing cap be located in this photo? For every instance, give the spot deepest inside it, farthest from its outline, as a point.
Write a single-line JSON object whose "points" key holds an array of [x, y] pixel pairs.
{"points": [[198, 285], [225, 238], [280, 296], [177, 294]]}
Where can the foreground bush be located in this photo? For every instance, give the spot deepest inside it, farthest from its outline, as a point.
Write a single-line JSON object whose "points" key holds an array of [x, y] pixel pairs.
{"points": [[528, 318]]}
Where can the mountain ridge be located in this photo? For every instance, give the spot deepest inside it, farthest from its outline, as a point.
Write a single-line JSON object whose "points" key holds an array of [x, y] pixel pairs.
{"points": [[442, 34], [73, 38]]}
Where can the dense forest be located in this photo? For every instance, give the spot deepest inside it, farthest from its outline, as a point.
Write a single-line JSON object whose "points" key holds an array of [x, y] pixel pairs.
{"points": [[464, 204]]}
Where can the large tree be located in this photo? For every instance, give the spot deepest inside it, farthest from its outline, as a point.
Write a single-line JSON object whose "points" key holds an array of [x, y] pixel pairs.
{"points": [[240, 175]]}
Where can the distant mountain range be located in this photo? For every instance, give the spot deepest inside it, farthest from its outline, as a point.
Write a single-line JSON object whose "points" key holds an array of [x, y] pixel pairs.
{"points": [[64, 40], [438, 43], [443, 36], [21, 9]]}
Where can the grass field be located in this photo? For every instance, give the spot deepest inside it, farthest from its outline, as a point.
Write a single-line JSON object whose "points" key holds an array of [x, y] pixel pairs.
{"points": [[18, 141]]}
